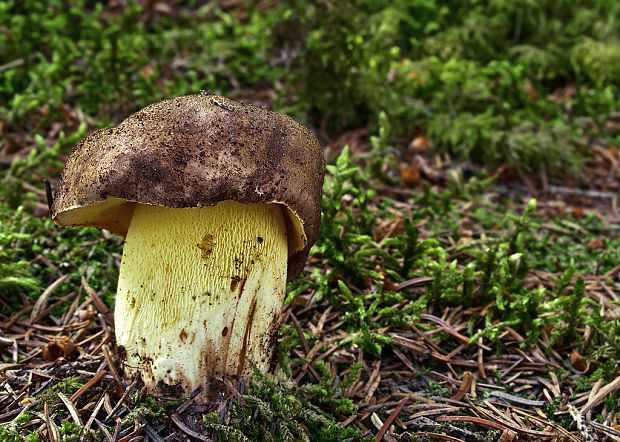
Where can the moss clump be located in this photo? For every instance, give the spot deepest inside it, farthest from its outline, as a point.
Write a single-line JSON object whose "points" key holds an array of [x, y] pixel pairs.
{"points": [[277, 409], [66, 387]]}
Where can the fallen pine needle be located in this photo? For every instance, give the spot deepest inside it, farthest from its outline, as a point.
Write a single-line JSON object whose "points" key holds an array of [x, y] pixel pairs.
{"points": [[72, 411], [464, 388], [601, 394], [437, 436], [87, 385], [473, 420], [390, 419]]}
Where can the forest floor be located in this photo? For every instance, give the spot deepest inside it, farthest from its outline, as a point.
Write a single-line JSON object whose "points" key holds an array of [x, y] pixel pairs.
{"points": [[444, 300]]}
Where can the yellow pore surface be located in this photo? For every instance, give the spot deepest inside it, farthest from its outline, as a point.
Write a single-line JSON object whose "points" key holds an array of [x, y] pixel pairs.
{"points": [[200, 290]]}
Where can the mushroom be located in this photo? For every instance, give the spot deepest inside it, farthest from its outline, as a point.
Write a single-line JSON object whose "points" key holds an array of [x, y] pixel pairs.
{"points": [[219, 203]]}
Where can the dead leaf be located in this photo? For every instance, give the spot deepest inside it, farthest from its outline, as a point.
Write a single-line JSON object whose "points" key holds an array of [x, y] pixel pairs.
{"points": [[578, 212], [58, 348], [147, 71], [505, 174], [577, 361], [44, 110], [595, 244], [563, 93], [84, 315], [388, 228], [419, 145], [410, 175], [531, 90], [163, 8], [508, 436]]}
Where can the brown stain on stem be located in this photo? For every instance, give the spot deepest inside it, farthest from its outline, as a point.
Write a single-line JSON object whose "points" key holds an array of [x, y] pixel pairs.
{"points": [[183, 336], [234, 282], [246, 336], [226, 338]]}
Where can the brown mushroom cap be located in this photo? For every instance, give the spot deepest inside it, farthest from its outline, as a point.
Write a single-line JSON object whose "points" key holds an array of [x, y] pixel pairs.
{"points": [[195, 151]]}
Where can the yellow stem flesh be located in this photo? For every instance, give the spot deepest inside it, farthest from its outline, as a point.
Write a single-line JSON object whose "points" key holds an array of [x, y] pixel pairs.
{"points": [[200, 291]]}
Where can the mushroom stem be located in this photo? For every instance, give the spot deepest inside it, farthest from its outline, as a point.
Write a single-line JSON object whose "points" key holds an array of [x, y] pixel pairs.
{"points": [[199, 291]]}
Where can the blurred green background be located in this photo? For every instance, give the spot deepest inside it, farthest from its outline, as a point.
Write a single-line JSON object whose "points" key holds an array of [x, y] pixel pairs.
{"points": [[517, 82]]}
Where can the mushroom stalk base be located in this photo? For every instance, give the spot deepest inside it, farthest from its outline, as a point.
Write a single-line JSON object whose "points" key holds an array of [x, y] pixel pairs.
{"points": [[200, 293]]}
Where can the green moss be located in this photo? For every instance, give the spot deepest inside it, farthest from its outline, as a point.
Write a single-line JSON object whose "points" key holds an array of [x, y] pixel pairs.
{"points": [[71, 432], [277, 409], [11, 433], [475, 77], [66, 387], [149, 407]]}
